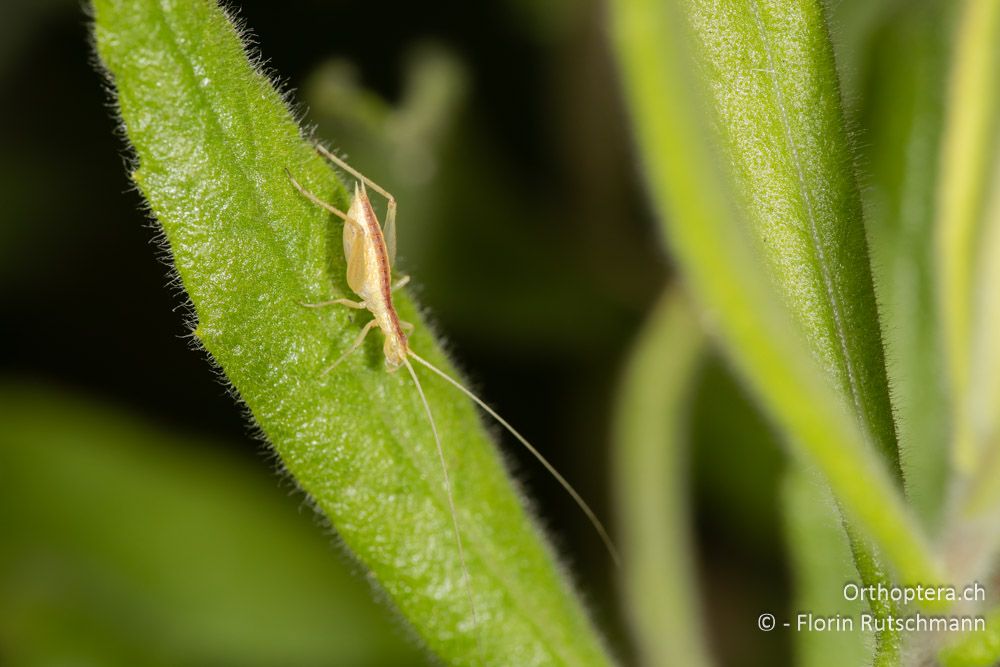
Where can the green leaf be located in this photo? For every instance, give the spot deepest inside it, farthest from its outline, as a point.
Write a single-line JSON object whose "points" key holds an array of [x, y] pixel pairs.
{"points": [[984, 491], [212, 138], [650, 435], [711, 244], [821, 565], [902, 125], [968, 261], [770, 69], [969, 159], [975, 649], [780, 129], [124, 545]]}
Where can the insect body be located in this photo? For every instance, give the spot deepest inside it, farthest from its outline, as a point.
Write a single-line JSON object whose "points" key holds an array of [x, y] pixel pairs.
{"points": [[369, 275], [370, 253]]}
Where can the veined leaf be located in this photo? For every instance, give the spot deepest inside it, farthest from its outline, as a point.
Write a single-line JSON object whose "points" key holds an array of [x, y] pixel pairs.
{"points": [[769, 67], [774, 90], [711, 244], [780, 129], [212, 138]]}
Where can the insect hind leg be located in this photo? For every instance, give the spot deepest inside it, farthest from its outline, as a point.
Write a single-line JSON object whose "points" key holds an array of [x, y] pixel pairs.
{"points": [[352, 349]]}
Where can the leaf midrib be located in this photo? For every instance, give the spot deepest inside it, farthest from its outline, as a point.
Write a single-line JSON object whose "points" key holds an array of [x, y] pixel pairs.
{"points": [[796, 159]]}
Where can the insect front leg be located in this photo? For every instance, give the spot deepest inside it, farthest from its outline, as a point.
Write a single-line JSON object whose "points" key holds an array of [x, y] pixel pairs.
{"points": [[402, 282]]}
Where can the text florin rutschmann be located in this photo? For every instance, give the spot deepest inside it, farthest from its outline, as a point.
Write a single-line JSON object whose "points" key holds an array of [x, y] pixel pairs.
{"points": [[870, 623]]}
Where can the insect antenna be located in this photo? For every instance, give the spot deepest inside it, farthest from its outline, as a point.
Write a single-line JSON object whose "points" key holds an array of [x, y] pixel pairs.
{"points": [[581, 503], [451, 499]]}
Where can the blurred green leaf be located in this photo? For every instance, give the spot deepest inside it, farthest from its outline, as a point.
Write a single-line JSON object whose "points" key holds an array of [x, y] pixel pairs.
{"points": [[902, 120], [975, 649], [721, 268], [650, 438], [968, 263], [985, 397], [821, 564], [973, 528], [124, 545], [968, 159], [212, 138]]}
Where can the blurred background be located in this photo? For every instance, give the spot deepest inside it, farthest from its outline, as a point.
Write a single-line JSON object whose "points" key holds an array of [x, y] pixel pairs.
{"points": [[140, 523]]}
